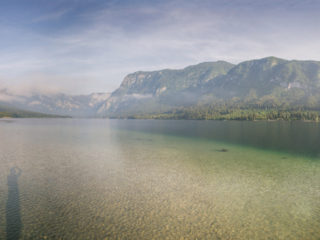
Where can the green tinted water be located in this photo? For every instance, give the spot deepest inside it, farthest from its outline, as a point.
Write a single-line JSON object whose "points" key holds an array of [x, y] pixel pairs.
{"points": [[102, 179]]}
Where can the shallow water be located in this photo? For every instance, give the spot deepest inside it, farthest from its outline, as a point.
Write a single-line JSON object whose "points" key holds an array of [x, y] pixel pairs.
{"points": [[144, 179]]}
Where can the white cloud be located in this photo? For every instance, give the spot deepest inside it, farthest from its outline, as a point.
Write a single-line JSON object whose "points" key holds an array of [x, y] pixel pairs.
{"points": [[137, 96], [6, 96]]}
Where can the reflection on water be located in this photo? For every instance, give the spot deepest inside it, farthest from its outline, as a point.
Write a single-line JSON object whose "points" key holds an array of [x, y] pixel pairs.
{"points": [[98, 179], [295, 137], [13, 217]]}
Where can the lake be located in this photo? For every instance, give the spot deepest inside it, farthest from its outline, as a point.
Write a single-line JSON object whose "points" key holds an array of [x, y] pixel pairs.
{"points": [[159, 179]]}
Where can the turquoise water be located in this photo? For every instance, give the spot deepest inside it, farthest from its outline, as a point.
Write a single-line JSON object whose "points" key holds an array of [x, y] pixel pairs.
{"points": [[145, 179]]}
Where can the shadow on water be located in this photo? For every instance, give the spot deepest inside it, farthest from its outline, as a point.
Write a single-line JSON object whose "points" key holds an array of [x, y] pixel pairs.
{"points": [[13, 216]]}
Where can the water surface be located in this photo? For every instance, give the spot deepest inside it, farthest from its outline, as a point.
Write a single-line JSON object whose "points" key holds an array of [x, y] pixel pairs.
{"points": [[144, 179]]}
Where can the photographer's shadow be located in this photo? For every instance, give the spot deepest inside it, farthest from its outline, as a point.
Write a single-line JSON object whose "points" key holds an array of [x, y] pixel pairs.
{"points": [[13, 215]]}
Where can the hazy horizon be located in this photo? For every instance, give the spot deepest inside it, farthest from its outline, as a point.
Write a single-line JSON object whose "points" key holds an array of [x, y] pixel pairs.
{"points": [[81, 47]]}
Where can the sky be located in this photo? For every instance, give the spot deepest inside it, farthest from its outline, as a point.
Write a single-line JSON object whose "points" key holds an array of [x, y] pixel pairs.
{"points": [[85, 46]]}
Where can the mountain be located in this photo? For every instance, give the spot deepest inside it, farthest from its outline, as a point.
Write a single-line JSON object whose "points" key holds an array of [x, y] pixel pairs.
{"points": [[267, 82], [11, 112], [268, 76], [61, 104], [162, 90]]}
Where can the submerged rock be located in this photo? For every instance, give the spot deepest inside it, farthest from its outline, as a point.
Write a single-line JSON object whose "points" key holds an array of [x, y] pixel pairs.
{"points": [[222, 150]]}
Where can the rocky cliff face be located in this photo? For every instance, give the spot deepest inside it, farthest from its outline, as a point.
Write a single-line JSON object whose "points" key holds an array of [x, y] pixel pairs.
{"points": [[160, 90]]}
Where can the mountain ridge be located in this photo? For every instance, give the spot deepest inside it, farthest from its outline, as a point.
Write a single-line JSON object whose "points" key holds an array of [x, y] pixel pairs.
{"points": [[266, 81], [57, 103]]}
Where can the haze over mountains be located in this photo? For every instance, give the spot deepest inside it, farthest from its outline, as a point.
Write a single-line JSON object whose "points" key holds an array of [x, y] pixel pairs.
{"points": [[60, 104], [267, 82]]}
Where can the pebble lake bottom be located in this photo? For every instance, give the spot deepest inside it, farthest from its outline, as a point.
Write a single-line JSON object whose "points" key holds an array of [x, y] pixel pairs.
{"points": [[150, 179]]}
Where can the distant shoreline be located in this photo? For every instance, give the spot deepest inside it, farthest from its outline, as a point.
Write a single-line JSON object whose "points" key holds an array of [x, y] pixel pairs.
{"points": [[229, 114], [186, 119]]}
